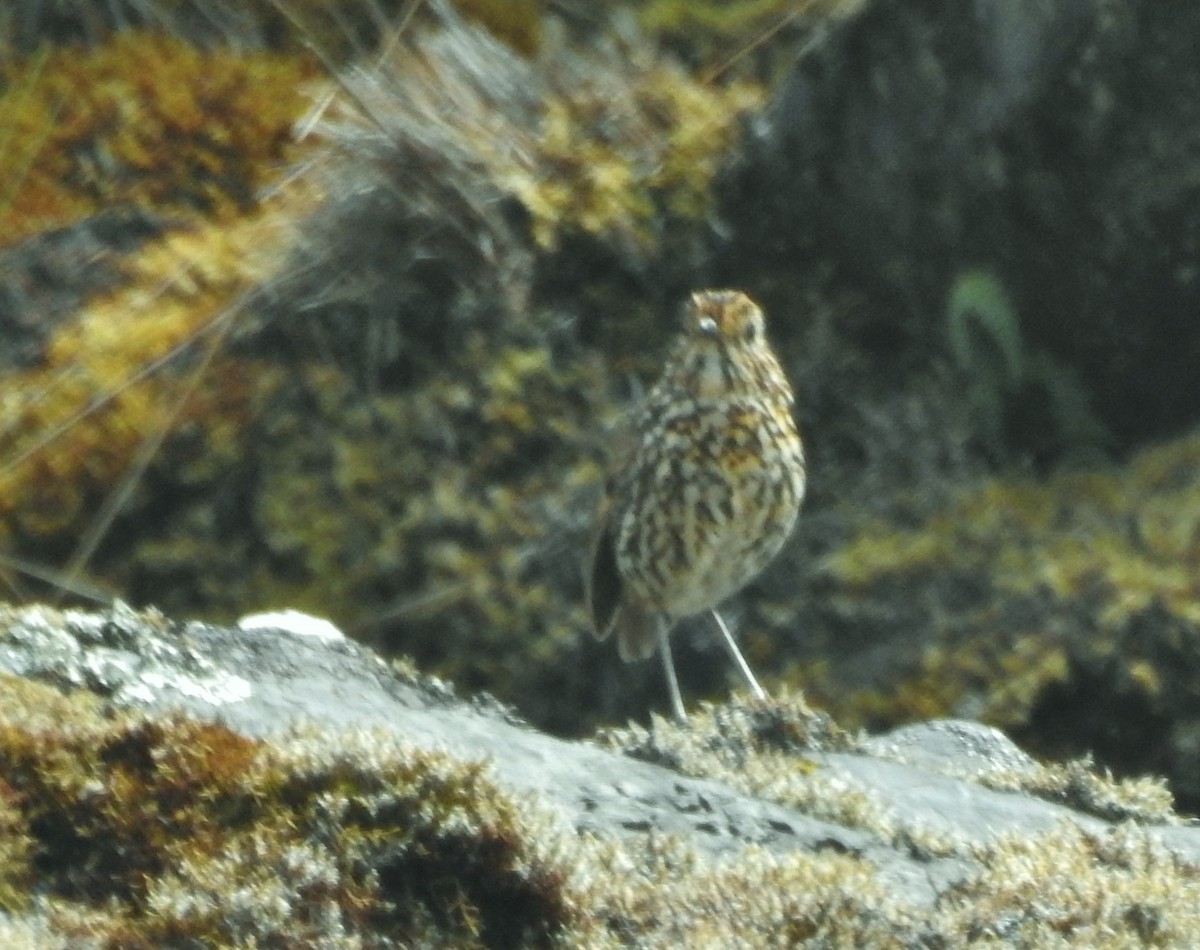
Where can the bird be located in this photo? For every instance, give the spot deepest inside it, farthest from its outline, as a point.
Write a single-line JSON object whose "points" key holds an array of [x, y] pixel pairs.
{"points": [[706, 491]]}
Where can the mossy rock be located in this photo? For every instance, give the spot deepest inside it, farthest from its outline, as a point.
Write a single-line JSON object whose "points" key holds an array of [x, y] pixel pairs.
{"points": [[1063, 610]]}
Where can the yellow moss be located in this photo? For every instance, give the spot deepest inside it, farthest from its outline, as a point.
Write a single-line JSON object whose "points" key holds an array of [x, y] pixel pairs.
{"points": [[1115, 888], [993, 677], [710, 16], [144, 119], [609, 159], [17, 850], [1147, 678], [71, 426], [147, 120], [510, 385], [702, 127], [1020, 677], [879, 552], [754, 37], [1065, 536], [1098, 548]]}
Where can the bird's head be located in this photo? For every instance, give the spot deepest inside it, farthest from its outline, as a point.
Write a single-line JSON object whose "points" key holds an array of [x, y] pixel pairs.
{"points": [[724, 346]]}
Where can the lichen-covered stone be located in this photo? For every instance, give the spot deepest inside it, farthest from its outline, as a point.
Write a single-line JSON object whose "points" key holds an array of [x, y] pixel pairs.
{"points": [[335, 802]]}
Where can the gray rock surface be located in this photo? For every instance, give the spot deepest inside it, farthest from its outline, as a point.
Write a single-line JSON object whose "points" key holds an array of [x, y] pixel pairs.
{"points": [[266, 681]]}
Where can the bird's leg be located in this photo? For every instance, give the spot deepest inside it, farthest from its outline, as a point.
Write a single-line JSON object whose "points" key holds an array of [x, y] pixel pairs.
{"points": [[664, 647], [738, 658]]}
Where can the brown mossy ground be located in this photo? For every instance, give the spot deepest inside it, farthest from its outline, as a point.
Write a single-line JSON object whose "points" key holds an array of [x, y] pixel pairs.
{"points": [[123, 831]]}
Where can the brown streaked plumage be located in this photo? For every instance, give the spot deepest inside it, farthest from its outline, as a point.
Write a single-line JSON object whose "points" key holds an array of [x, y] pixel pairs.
{"points": [[709, 490]]}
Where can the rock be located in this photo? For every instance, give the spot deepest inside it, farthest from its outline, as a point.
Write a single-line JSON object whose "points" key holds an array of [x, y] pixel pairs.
{"points": [[952, 747], [902, 829], [1015, 156]]}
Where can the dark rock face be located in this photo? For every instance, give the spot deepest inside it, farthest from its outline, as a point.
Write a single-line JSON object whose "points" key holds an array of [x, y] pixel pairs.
{"points": [[1048, 145], [919, 810]]}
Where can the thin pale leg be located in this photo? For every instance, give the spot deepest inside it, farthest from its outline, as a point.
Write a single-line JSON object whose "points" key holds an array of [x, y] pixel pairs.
{"points": [[738, 658], [664, 647]]}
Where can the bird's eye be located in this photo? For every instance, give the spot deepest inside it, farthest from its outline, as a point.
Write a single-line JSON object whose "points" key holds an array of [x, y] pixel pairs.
{"points": [[707, 326]]}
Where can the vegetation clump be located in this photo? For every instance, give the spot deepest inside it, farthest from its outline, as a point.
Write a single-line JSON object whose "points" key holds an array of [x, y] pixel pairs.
{"points": [[142, 119], [135, 832], [1038, 594]]}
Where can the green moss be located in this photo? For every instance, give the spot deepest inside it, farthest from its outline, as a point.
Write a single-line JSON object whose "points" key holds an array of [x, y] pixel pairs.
{"points": [[983, 331], [985, 341], [1092, 552]]}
